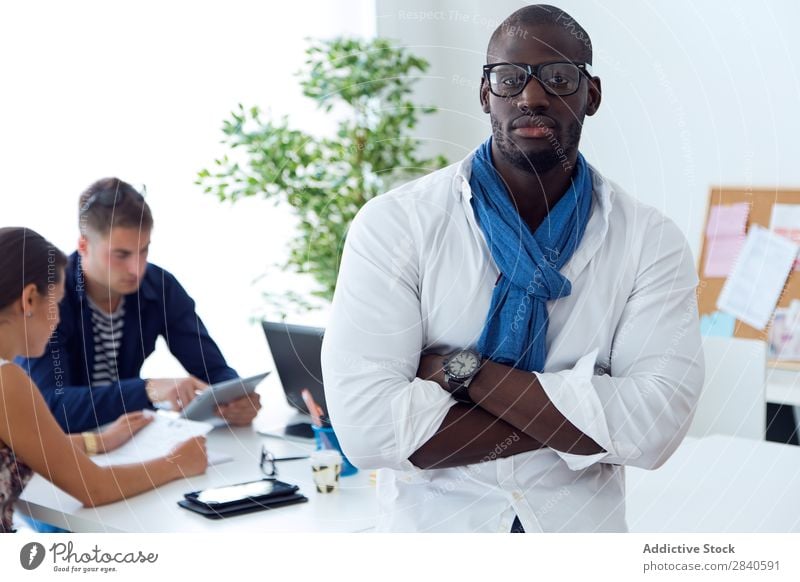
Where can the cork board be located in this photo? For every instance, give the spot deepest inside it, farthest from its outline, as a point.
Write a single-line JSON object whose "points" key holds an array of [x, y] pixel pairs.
{"points": [[760, 202]]}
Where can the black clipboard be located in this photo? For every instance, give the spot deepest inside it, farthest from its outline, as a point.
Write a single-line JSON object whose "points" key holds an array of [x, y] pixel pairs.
{"points": [[242, 508], [286, 494]]}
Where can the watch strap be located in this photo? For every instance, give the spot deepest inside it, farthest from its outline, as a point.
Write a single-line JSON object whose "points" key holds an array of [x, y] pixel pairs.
{"points": [[460, 390]]}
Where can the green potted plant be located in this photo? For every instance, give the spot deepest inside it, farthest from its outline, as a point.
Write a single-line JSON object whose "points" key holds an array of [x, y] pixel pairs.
{"points": [[326, 180]]}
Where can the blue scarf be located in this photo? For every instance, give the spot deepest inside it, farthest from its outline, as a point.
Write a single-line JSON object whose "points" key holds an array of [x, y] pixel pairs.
{"points": [[515, 331]]}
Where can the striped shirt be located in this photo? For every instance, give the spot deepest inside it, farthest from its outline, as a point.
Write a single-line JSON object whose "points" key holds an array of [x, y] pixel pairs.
{"points": [[107, 332]]}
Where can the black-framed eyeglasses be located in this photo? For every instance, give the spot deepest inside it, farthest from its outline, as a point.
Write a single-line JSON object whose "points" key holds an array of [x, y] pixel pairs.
{"points": [[560, 78], [268, 460], [110, 198], [267, 465]]}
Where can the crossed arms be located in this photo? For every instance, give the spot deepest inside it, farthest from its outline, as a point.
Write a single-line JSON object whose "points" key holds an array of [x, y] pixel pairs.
{"points": [[390, 405]]}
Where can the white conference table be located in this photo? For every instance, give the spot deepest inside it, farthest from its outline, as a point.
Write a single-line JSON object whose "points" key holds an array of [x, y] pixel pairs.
{"points": [[718, 484], [714, 484], [351, 509]]}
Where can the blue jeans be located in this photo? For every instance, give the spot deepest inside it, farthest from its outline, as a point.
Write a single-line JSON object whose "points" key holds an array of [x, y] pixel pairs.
{"points": [[516, 527]]}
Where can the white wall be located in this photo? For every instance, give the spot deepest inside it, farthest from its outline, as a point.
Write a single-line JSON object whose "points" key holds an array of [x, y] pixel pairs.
{"points": [[139, 90], [695, 94]]}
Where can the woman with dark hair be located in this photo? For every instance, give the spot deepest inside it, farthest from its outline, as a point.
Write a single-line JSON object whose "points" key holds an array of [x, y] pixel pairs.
{"points": [[31, 286]]}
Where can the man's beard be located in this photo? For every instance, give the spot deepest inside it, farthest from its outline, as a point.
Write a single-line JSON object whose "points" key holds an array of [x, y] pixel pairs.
{"points": [[543, 161]]}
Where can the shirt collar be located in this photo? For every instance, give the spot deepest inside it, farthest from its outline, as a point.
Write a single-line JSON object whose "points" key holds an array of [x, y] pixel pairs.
{"points": [[118, 312], [596, 230]]}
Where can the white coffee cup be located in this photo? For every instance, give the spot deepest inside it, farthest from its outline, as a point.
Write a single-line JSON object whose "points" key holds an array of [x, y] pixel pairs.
{"points": [[326, 466]]}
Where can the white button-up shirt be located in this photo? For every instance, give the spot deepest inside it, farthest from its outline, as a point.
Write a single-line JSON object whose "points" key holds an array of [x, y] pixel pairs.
{"points": [[624, 362]]}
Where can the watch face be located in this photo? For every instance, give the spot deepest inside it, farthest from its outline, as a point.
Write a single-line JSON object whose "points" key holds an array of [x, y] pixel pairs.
{"points": [[463, 364]]}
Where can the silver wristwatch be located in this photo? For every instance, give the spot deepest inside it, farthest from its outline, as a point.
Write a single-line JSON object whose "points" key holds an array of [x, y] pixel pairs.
{"points": [[459, 370]]}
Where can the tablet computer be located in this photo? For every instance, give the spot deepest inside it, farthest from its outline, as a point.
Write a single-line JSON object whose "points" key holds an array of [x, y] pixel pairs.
{"points": [[205, 404]]}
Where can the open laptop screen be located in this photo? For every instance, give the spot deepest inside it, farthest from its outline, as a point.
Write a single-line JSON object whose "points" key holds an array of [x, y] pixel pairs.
{"points": [[296, 350]]}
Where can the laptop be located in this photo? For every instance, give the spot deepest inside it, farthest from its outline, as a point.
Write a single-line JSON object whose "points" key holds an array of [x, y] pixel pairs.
{"points": [[296, 350]]}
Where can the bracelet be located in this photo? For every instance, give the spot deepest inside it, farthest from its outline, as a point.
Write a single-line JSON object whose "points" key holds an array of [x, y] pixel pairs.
{"points": [[90, 443], [152, 395]]}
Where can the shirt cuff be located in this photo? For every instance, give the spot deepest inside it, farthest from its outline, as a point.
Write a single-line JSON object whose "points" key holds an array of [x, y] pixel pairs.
{"points": [[572, 393], [417, 413]]}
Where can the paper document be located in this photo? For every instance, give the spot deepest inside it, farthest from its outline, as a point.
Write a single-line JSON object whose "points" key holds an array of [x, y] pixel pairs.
{"points": [[721, 254], [724, 238], [717, 324], [155, 440], [727, 220], [785, 221], [784, 334], [752, 291]]}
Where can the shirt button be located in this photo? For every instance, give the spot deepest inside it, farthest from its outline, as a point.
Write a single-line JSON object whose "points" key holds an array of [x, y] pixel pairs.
{"points": [[517, 496]]}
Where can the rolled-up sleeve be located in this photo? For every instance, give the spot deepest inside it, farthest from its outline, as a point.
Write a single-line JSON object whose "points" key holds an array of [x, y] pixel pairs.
{"points": [[381, 412], [640, 411]]}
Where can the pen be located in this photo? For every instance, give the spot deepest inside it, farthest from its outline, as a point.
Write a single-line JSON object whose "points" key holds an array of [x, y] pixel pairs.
{"points": [[318, 419], [314, 409], [298, 458]]}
